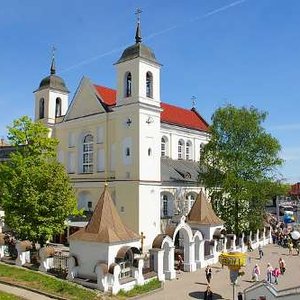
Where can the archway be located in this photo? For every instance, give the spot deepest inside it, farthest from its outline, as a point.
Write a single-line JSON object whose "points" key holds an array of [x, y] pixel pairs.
{"points": [[199, 248], [126, 259], [182, 237], [163, 259]]}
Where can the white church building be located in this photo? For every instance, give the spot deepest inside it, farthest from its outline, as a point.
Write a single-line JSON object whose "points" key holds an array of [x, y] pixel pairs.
{"points": [[146, 150]]}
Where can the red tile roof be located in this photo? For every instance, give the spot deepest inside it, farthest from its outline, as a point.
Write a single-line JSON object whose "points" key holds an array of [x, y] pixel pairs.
{"points": [[171, 114], [175, 115], [107, 95]]}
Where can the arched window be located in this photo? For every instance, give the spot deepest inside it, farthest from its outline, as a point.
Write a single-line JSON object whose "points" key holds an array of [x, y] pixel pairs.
{"points": [[58, 107], [189, 202], [201, 149], [149, 85], [180, 149], [87, 154], [165, 205], [128, 84], [163, 147], [188, 150], [42, 108]]}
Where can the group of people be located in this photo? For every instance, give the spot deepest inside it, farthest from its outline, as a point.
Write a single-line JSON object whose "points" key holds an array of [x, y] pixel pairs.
{"points": [[272, 273], [282, 237]]}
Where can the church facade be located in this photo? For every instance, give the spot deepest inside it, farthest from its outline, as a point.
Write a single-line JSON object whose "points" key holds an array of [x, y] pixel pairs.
{"points": [[146, 150]]}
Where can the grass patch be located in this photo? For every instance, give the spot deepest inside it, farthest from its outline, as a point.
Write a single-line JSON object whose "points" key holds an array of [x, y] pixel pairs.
{"points": [[6, 296], [141, 289], [45, 283]]}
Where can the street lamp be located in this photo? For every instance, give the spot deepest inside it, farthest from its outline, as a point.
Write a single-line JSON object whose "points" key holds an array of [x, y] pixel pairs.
{"points": [[234, 261]]}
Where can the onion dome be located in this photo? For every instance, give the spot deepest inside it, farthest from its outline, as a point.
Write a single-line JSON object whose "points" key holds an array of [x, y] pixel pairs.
{"points": [[53, 81], [138, 49]]}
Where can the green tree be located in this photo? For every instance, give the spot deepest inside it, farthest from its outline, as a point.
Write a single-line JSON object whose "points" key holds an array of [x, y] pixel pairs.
{"points": [[238, 166], [36, 193]]}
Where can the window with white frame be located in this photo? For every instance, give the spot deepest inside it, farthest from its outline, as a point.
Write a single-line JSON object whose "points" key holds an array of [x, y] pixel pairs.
{"points": [[163, 147], [128, 84], [149, 85], [189, 202], [188, 151], [87, 154], [42, 108], [165, 205], [58, 107], [180, 149]]}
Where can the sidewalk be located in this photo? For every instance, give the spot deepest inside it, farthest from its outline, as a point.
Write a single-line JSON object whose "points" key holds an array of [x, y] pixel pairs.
{"points": [[22, 292], [192, 285]]}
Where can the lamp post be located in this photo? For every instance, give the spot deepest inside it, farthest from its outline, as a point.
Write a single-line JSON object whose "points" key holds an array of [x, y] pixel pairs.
{"points": [[234, 261]]}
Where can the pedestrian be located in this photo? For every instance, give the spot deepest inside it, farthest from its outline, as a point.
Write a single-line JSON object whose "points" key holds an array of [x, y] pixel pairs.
{"points": [[250, 249], [282, 266], [255, 273], [208, 274], [276, 273], [290, 246], [297, 247], [208, 294], [260, 251], [180, 262], [269, 273]]}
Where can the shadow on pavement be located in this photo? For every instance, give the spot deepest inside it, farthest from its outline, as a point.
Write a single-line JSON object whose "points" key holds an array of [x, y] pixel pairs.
{"points": [[201, 283], [200, 295]]}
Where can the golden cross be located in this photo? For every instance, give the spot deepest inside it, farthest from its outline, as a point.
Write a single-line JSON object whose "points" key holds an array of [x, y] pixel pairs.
{"points": [[142, 237]]}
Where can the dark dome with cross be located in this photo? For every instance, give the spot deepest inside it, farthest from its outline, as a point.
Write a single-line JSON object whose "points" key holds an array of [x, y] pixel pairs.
{"points": [[138, 49], [53, 81]]}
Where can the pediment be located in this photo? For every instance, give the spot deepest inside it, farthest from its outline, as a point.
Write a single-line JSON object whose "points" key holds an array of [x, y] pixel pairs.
{"points": [[85, 102]]}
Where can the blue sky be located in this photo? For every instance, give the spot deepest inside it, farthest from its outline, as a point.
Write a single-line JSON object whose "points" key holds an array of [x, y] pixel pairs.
{"points": [[220, 51]]}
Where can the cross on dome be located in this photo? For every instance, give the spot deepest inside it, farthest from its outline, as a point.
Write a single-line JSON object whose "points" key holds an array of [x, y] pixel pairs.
{"points": [[52, 69], [138, 35]]}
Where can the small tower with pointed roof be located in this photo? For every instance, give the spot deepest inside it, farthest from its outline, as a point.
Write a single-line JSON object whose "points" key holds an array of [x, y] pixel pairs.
{"points": [[51, 98], [102, 238], [203, 218]]}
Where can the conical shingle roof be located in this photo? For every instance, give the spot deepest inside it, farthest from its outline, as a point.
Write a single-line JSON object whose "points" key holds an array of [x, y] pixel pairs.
{"points": [[105, 225], [202, 212]]}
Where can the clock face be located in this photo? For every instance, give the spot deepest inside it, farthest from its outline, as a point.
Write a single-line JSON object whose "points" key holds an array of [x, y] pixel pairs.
{"points": [[149, 120]]}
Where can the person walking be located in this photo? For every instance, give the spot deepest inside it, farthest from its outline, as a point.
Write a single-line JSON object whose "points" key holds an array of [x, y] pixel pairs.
{"points": [[276, 273], [180, 263], [269, 273], [208, 295], [290, 246], [260, 251], [282, 266], [208, 274], [255, 273]]}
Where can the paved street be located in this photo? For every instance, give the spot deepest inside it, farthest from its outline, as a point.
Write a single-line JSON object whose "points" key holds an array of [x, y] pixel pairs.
{"points": [[192, 285]]}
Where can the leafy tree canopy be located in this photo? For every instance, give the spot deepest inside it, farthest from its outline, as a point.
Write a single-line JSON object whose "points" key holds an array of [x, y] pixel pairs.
{"points": [[238, 166], [36, 193]]}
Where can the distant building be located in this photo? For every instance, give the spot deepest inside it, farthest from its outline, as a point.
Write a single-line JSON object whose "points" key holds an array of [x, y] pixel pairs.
{"points": [[295, 190]]}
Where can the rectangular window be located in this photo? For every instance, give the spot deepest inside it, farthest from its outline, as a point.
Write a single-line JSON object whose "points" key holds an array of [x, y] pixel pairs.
{"points": [[179, 151], [163, 149], [165, 208], [187, 153]]}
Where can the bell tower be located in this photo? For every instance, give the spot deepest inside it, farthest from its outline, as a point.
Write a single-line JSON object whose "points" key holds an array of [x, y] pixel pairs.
{"points": [[137, 115], [51, 98]]}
